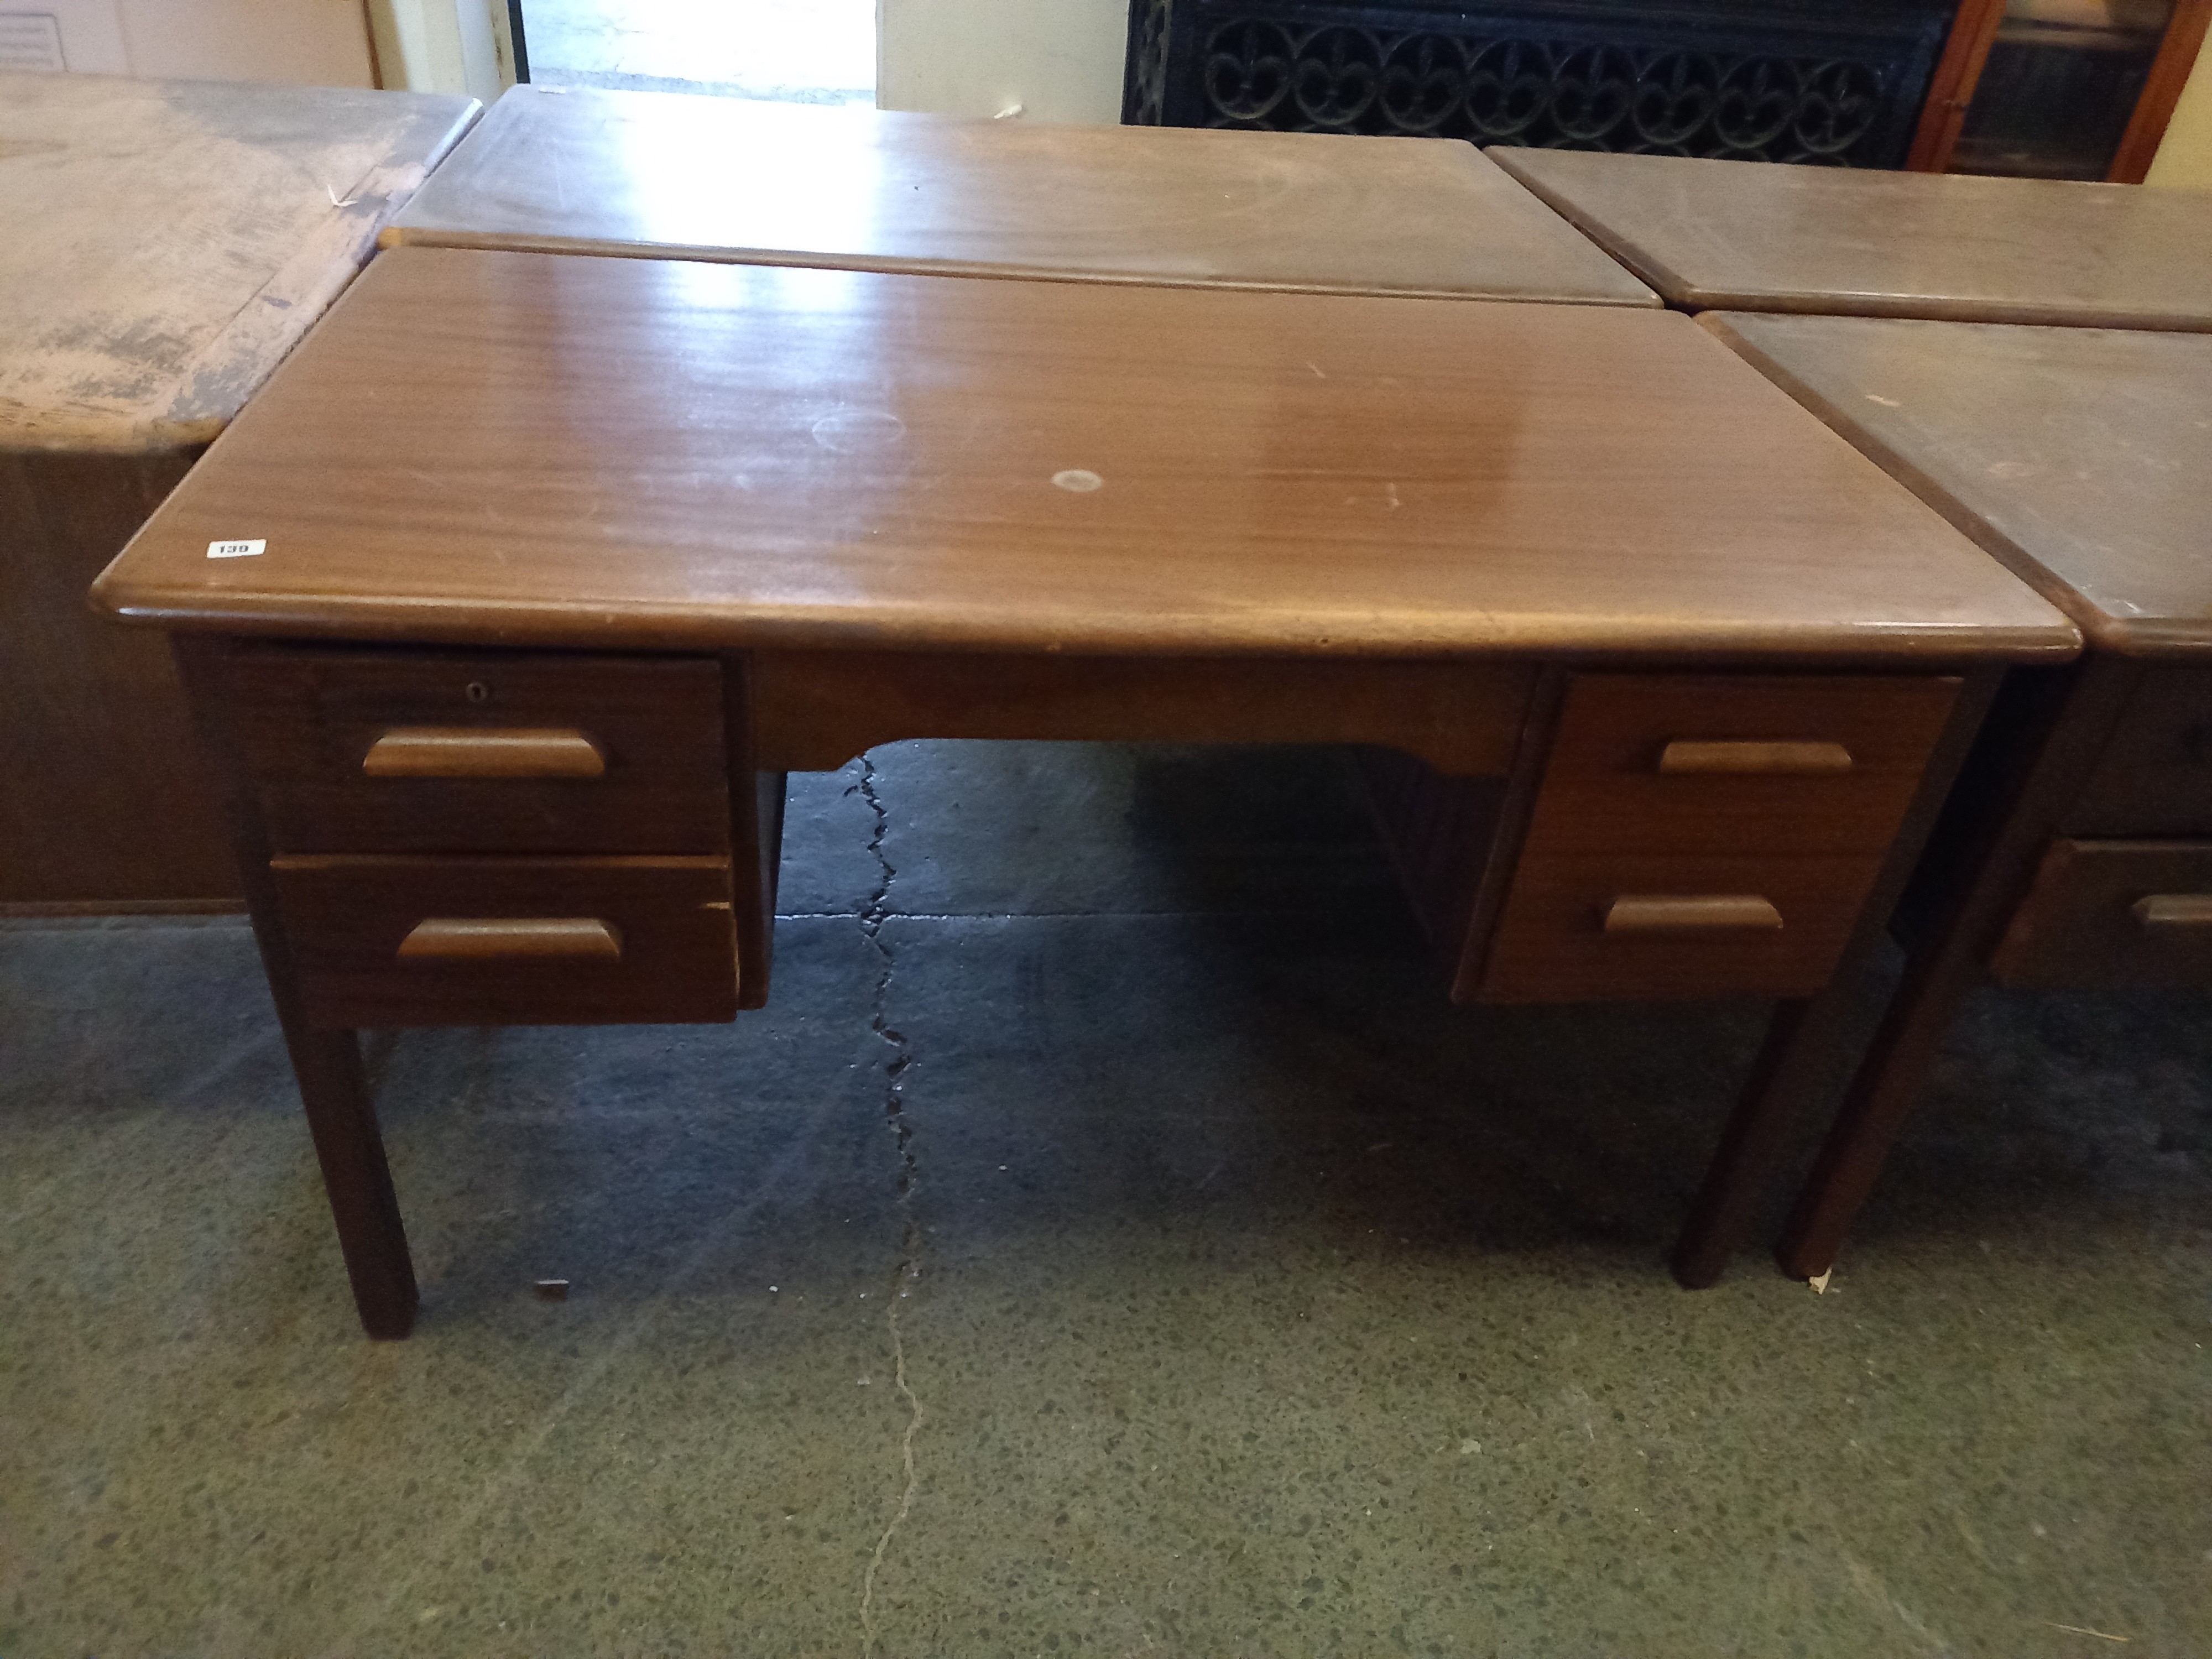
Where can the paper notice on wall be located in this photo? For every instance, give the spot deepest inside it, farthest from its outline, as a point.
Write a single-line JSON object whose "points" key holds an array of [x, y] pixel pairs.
{"points": [[31, 40], [53, 35]]}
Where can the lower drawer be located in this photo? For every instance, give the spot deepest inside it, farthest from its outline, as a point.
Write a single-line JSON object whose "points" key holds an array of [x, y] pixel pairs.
{"points": [[2113, 913], [400, 941], [1630, 927]]}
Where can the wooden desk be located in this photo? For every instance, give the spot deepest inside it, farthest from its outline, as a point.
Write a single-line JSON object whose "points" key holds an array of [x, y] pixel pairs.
{"points": [[1727, 234], [666, 175], [165, 244], [2078, 847], [568, 560]]}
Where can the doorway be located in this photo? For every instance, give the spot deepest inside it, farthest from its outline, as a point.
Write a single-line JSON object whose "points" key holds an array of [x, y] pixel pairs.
{"points": [[805, 52]]}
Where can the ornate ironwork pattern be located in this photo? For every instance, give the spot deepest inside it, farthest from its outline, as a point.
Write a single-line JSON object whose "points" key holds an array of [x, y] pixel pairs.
{"points": [[1147, 73], [1797, 96]]}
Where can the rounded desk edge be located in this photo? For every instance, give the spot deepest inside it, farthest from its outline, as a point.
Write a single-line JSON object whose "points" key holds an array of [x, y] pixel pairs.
{"points": [[553, 625]]}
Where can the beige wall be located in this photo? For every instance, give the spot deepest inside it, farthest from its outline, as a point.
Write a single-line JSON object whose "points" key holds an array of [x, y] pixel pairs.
{"points": [[456, 47], [1060, 59], [323, 43], [2185, 156], [302, 42]]}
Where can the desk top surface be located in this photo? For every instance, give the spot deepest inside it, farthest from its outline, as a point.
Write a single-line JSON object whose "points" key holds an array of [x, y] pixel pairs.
{"points": [[167, 242], [730, 179], [2080, 457], [1752, 236], [529, 449]]}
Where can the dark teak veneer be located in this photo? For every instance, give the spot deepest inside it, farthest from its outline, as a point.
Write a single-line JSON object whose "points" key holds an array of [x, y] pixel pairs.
{"points": [[2077, 848], [597, 549]]}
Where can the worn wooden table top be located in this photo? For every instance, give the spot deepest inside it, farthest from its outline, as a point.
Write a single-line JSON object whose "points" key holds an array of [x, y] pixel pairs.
{"points": [[2082, 457], [539, 449], [164, 243], [1750, 236], [729, 179]]}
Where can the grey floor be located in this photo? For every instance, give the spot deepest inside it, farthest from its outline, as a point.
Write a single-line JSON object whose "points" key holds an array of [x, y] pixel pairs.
{"points": [[1106, 1242]]}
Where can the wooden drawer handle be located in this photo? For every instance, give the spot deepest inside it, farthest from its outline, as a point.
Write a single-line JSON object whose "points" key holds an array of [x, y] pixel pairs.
{"points": [[483, 751], [481, 936], [1699, 756], [2174, 910], [1652, 913]]}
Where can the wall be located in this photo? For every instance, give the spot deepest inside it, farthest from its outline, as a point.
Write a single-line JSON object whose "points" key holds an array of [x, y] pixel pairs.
{"points": [[309, 42], [322, 43], [2185, 156], [457, 47], [1060, 59]]}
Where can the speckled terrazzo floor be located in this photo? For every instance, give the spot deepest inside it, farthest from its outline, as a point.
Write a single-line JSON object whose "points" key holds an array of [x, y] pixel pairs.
{"points": [[1228, 1294]]}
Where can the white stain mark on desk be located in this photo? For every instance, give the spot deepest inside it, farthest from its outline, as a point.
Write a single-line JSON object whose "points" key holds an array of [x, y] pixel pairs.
{"points": [[1080, 480], [854, 431]]}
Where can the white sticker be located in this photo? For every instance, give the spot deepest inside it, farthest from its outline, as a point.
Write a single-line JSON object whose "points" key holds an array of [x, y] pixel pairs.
{"points": [[236, 549]]}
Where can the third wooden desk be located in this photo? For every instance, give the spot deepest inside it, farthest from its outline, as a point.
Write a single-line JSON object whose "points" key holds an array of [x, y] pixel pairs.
{"points": [[1745, 236], [2077, 850]]}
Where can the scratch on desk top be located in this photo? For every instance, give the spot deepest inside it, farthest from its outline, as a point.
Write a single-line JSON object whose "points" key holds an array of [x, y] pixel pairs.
{"points": [[186, 235]]}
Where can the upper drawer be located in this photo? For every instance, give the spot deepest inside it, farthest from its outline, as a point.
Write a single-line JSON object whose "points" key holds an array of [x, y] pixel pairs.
{"points": [[2155, 775], [397, 752], [2113, 913], [1733, 763]]}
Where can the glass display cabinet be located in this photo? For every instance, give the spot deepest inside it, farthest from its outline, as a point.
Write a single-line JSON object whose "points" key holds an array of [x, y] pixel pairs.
{"points": [[2058, 89]]}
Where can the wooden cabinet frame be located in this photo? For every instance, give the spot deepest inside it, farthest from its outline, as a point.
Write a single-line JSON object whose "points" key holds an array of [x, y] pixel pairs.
{"points": [[1967, 50]]}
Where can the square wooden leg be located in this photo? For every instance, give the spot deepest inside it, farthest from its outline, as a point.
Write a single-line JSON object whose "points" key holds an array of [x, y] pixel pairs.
{"points": [[343, 1120]]}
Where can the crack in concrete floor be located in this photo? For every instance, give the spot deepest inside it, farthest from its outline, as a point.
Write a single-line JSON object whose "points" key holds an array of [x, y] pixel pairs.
{"points": [[873, 913]]}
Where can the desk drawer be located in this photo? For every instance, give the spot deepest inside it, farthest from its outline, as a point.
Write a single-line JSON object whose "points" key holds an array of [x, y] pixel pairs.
{"points": [[1735, 763], [510, 941], [1629, 926], [2113, 913], [2155, 775], [370, 752]]}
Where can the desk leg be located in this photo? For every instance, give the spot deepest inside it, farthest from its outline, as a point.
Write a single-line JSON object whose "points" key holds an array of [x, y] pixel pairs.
{"points": [[348, 1144], [1873, 1113], [1791, 1064], [2045, 739], [1804, 1038], [327, 1063]]}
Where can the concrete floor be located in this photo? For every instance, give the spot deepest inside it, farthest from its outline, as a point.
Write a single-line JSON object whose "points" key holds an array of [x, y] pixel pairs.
{"points": [[808, 51], [1106, 1242]]}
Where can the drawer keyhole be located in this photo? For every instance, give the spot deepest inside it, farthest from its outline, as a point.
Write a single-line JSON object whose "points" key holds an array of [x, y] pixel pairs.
{"points": [[477, 691]]}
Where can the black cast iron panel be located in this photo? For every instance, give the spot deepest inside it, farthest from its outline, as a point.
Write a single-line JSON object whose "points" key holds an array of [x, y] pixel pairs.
{"points": [[1753, 80]]}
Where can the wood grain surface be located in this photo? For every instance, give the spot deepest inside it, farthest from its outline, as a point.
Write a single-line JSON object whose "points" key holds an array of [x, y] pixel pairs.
{"points": [[95, 741], [349, 919], [522, 448], [2154, 776], [306, 720], [2080, 457], [1552, 943], [167, 242], [645, 173], [1605, 788], [815, 710], [1754, 237], [2104, 912]]}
